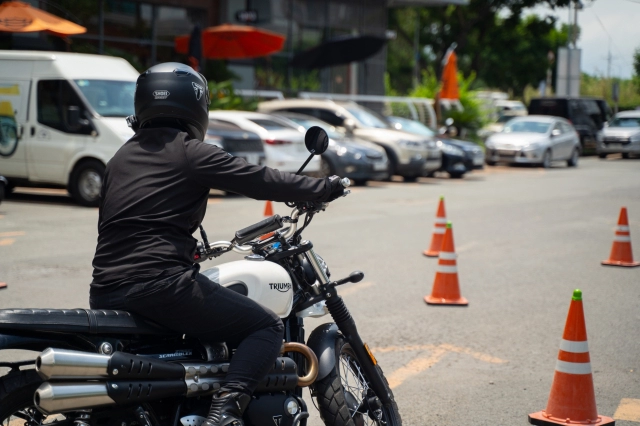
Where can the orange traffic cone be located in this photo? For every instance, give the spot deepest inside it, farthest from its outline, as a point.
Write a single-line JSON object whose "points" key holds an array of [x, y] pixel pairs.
{"points": [[438, 231], [621, 254], [572, 400], [446, 290], [268, 209]]}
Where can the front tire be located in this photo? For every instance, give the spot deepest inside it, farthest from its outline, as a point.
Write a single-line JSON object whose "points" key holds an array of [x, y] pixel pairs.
{"points": [[345, 389], [573, 161], [86, 183], [546, 159]]}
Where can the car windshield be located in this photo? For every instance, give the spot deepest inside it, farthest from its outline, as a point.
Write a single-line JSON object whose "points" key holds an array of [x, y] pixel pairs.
{"points": [[625, 122], [523, 126], [412, 126], [269, 124], [367, 118], [309, 122], [109, 98]]}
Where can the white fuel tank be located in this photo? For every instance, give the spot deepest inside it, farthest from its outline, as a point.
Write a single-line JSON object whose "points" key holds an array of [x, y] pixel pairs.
{"points": [[265, 282]]}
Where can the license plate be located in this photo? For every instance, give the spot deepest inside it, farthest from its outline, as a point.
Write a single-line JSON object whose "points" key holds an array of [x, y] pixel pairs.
{"points": [[506, 153], [614, 145], [379, 166], [252, 158]]}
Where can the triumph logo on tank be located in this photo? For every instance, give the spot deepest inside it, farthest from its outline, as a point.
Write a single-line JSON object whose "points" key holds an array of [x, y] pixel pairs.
{"points": [[277, 420], [198, 89], [161, 94], [281, 287]]}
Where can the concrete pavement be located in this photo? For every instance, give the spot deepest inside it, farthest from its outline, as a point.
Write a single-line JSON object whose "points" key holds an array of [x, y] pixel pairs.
{"points": [[525, 238]]}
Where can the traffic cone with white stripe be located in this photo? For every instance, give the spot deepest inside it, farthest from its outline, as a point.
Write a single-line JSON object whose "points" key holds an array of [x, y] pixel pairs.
{"points": [[438, 231], [446, 290], [572, 399], [268, 209], [621, 253]]}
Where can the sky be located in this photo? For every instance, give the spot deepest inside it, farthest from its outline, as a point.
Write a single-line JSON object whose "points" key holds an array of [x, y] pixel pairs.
{"points": [[618, 28]]}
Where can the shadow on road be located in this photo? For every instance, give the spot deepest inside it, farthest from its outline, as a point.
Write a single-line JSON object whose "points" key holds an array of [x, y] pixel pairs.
{"points": [[41, 196]]}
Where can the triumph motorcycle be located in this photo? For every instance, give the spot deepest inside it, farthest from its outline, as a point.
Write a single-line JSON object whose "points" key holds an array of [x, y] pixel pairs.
{"points": [[112, 368]]}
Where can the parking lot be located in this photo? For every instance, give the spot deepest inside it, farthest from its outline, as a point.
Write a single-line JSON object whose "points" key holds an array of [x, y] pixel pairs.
{"points": [[525, 238]]}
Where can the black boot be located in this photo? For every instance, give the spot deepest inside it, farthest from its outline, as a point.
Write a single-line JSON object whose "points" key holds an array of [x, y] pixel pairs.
{"points": [[227, 410]]}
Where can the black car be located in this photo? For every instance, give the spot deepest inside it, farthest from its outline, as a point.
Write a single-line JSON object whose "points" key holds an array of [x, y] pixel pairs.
{"points": [[473, 154], [3, 187], [587, 115], [237, 142], [360, 161]]}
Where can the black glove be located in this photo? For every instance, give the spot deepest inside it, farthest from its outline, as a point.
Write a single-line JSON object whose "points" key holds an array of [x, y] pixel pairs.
{"points": [[336, 190]]}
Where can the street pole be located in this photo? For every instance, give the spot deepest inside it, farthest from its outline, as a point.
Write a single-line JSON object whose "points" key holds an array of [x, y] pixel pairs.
{"points": [[416, 52]]}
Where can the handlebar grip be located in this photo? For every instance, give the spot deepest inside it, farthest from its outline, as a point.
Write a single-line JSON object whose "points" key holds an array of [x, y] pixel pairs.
{"points": [[264, 226]]}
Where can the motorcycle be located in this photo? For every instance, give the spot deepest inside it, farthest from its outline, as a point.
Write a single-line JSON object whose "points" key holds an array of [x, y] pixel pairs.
{"points": [[111, 368]]}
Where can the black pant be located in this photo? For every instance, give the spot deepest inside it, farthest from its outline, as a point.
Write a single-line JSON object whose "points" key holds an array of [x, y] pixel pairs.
{"points": [[191, 304]]}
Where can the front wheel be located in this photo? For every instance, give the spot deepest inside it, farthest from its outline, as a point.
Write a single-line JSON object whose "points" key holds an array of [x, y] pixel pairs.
{"points": [[86, 183], [573, 161], [345, 398]]}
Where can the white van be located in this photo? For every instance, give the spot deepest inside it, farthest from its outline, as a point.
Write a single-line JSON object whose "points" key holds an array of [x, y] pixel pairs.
{"points": [[69, 112]]}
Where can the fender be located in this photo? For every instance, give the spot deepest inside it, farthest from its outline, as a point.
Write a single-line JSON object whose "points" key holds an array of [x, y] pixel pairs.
{"points": [[322, 342]]}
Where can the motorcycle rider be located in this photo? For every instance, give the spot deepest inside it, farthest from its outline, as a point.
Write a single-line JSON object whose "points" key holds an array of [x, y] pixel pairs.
{"points": [[154, 196]]}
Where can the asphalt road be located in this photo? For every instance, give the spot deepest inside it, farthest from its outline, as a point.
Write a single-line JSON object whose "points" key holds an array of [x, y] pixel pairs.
{"points": [[525, 238]]}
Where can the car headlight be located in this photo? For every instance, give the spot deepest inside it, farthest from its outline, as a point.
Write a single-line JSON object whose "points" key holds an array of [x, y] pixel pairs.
{"points": [[532, 145], [451, 150], [342, 150]]}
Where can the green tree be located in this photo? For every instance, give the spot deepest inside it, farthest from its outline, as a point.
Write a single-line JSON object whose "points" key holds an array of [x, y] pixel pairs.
{"points": [[636, 69], [506, 51]]}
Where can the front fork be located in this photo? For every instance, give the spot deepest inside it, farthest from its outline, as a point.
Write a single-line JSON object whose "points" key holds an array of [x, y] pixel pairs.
{"points": [[347, 327]]}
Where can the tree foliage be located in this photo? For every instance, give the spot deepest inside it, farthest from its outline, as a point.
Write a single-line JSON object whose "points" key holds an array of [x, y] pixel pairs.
{"points": [[505, 49]]}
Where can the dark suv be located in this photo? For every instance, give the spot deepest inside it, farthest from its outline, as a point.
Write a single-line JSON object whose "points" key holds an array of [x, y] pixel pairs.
{"points": [[588, 115]]}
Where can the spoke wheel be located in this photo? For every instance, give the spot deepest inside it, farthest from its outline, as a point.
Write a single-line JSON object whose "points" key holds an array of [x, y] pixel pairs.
{"points": [[345, 397]]}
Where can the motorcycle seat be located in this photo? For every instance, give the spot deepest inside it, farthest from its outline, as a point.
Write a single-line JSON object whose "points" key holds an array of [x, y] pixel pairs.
{"points": [[81, 321]]}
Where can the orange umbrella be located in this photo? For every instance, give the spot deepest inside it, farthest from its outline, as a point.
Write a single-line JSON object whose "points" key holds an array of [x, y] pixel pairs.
{"points": [[234, 42], [449, 88], [19, 17]]}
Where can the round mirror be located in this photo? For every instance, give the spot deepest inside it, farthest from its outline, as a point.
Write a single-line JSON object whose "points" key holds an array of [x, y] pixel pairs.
{"points": [[8, 135], [316, 140]]}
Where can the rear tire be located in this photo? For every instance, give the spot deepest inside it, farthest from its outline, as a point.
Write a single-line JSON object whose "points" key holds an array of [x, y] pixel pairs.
{"points": [[573, 161], [86, 183], [16, 398], [343, 389], [625, 155], [602, 155]]}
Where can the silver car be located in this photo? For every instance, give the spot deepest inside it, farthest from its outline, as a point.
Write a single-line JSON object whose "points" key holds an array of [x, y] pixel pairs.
{"points": [[534, 139], [621, 136]]}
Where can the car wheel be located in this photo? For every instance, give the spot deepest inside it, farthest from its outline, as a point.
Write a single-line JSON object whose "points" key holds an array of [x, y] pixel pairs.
{"points": [[490, 163], [410, 178], [456, 175], [393, 162], [602, 155], [573, 161], [359, 182], [625, 155], [86, 183], [2, 191], [546, 159], [326, 168]]}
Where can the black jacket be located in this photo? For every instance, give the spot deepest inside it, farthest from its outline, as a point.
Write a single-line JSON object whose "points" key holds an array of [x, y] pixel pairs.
{"points": [[154, 197]]}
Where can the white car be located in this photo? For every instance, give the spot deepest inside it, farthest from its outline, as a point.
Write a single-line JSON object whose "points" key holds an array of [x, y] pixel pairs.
{"points": [[283, 142], [534, 139], [622, 135]]}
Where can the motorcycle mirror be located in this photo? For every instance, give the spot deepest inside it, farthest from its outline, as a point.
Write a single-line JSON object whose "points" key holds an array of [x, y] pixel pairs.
{"points": [[356, 276], [316, 140]]}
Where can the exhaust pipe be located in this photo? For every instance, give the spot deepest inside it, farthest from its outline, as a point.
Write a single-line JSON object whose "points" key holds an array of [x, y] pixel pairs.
{"points": [[64, 364], [55, 398], [60, 397]]}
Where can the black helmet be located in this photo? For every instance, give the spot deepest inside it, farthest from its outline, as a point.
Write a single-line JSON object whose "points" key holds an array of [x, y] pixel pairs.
{"points": [[172, 93]]}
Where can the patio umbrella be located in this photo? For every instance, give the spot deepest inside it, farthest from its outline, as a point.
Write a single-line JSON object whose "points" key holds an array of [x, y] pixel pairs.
{"points": [[19, 17], [449, 88], [234, 42], [340, 50]]}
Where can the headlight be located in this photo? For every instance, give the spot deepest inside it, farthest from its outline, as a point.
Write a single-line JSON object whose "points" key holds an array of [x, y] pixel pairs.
{"points": [[489, 144], [532, 145], [342, 151], [451, 150]]}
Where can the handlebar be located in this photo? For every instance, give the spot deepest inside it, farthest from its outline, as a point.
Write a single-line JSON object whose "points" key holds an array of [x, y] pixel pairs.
{"points": [[220, 247]]}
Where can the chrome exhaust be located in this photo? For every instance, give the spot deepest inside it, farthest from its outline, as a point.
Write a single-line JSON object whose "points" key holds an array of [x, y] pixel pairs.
{"points": [[64, 364], [55, 398], [54, 364]]}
